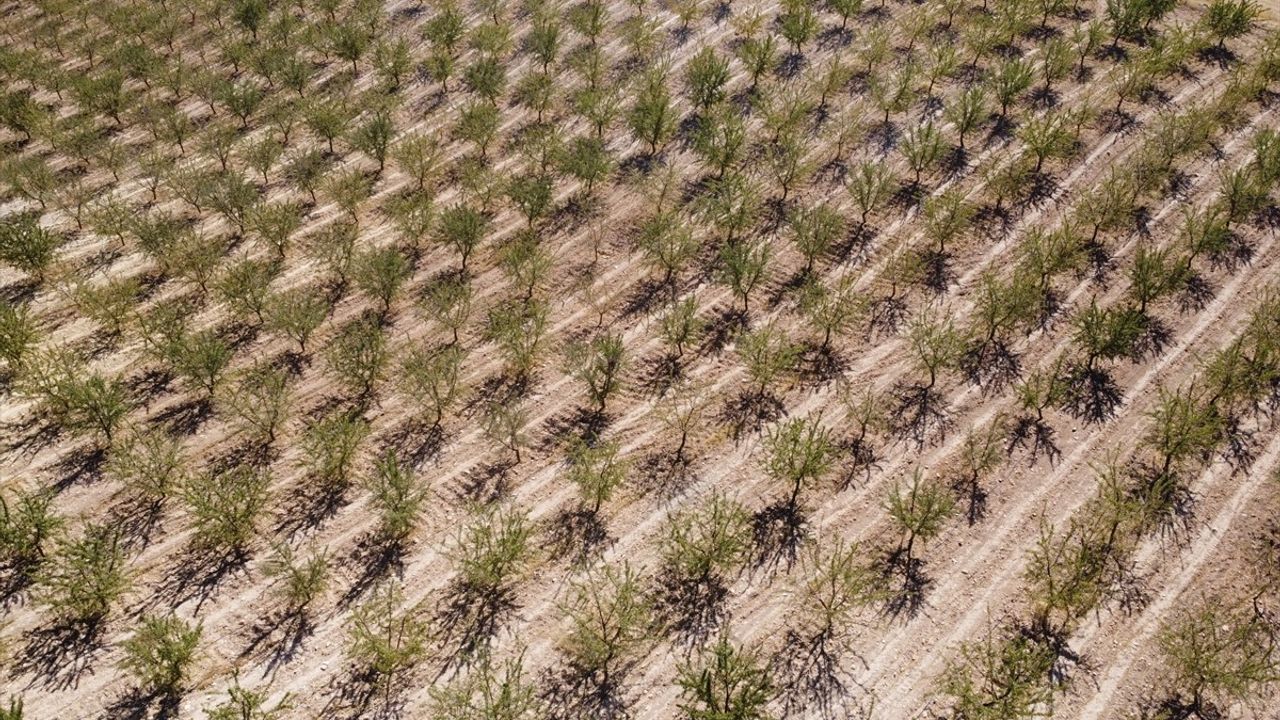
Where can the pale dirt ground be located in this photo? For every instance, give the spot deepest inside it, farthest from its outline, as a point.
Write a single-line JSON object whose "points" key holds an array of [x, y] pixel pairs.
{"points": [[976, 569]]}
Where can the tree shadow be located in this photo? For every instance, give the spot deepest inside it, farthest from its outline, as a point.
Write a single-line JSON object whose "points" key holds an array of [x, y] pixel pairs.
{"points": [[186, 417], [812, 681], [196, 575], [820, 363], [906, 583], [468, 617], [1036, 435], [573, 692], [578, 534], [991, 364], [278, 638], [777, 533], [416, 441], [58, 655], [134, 704], [919, 412], [29, 434], [375, 558], [309, 505], [83, 464], [663, 474], [1092, 394], [692, 608], [582, 422], [487, 482], [750, 410], [938, 274], [973, 495]]}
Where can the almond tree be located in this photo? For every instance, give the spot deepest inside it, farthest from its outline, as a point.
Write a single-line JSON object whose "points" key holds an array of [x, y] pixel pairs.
{"points": [[28, 525], [300, 582], [610, 623], [489, 690], [398, 497], [160, 653], [357, 356], [225, 507], [385, 639], [799, 451], [726, 682], [599, 364], [150, 464], [84, 576], [597, 471], [330, 446], [1216, 657], [296, 313]]}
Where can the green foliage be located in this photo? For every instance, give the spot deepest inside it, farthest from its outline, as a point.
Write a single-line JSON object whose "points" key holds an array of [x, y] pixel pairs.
{"points": [[706, 75], [919, 509], [380, 273], [18, 335], [225, 506], [26, 245], [244, 704], [490, 691], [744, 266], [75, 397], [708, 541], [149, 464], [1217, 656], [519, 331], [1000, 677], [599, 364], [463, 228], [246, 288], [160, 652], [84, 576], [726, 683], [296, 313], [610, 621], [27, 524], [493, 549], [431, 379], [815, 230], [259, 399], [799, 451], [300, 581], [653, 117], [358, 355], [384, 638], [397, 496], [597, 471], [330, 445], [767, 353]]}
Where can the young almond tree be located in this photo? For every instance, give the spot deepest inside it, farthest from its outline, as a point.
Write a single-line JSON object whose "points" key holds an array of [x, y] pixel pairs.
{"points": [[385, 639], [300, 581], [160, 653], [490, 690], [799, 451], [726, 681], [597, 471], [1216, 657], [225, 508], [358, 356], [431, 379], [611, 623], [599, 364], [84, 576], [398, 496], [919, 509], [27, 526]]}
